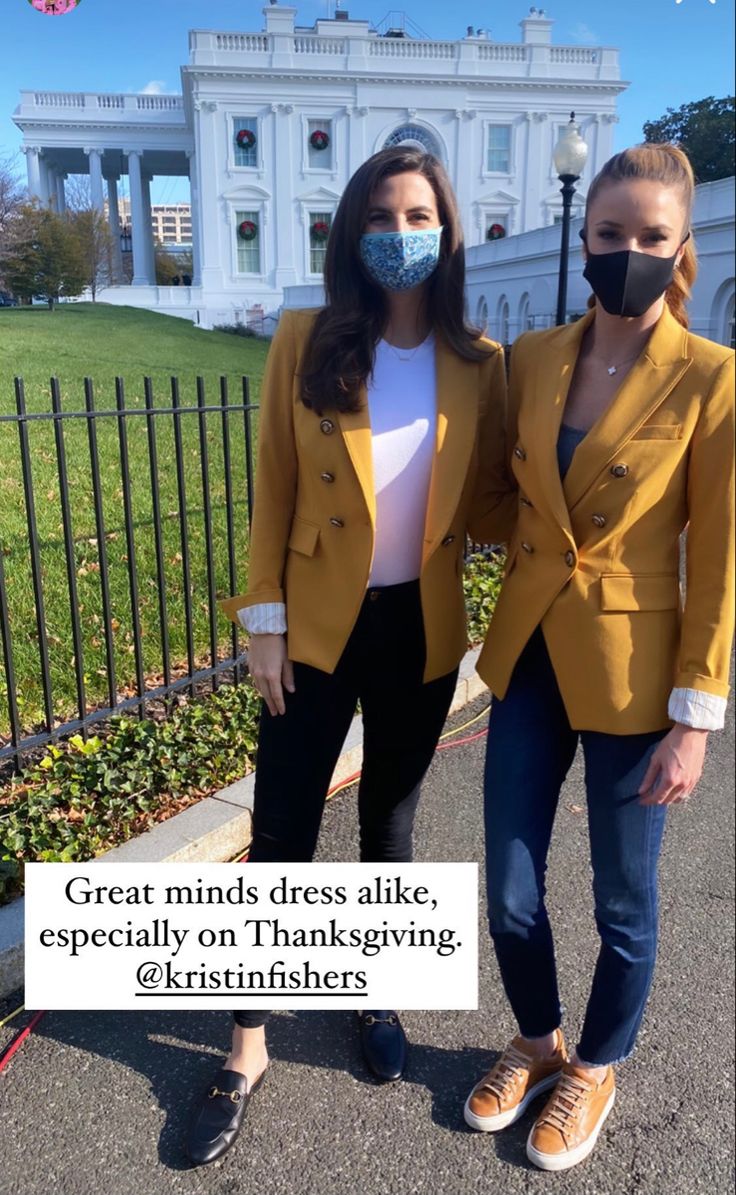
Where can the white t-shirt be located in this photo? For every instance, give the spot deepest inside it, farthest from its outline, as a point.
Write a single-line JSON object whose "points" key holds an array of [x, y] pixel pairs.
{"points": [[402, 405]]}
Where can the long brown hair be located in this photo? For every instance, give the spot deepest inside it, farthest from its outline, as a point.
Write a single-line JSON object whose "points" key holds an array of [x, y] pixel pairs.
{"points": [[659, 162], [340, 353]]}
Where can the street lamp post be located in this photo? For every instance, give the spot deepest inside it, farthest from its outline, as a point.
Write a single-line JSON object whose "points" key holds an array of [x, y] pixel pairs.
{"points": [[569, 159]]}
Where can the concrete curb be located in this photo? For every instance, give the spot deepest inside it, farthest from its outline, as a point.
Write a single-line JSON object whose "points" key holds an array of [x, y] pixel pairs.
{"points": [[214, 830]]}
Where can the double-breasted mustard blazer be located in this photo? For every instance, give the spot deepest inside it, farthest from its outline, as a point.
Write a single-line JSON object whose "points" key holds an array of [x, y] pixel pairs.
{"points": [[595, 558], [314, 514]]}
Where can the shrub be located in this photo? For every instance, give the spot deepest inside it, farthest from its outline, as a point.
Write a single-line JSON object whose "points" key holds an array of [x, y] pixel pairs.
{"points": [[235, 329]]}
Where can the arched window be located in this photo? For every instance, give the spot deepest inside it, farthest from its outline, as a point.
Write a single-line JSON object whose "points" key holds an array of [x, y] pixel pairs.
{"points": [[729, 330], [415, 135], [481, 314], [525, 319], [504, 315]]}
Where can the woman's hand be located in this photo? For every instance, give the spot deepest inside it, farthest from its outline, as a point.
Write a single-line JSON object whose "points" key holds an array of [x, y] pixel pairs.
{"points": [[675, 767], [271, 669]]}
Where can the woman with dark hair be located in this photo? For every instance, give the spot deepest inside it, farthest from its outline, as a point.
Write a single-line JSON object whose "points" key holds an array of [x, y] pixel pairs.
{"points": [[375, 412], [622, 431]]}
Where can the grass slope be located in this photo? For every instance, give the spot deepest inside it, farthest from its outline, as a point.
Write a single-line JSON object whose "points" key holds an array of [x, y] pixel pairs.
{"points": [[102, 342], [97, 340]]}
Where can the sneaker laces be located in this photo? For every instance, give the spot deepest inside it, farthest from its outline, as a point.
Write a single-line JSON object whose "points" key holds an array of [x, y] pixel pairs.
{"points": [[567, 1098], [506, 1071]]}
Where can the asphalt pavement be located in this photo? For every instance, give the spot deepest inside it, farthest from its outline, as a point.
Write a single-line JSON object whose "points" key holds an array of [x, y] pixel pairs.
{"points": [[95, 1103]]}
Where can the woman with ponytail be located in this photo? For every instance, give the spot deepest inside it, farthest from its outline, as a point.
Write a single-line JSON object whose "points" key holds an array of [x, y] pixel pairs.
{"points": [[621, 436]]}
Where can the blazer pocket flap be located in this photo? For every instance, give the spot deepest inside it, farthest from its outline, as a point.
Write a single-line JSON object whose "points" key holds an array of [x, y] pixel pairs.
{"points": [[625, 591], [661, 431], [303, 537]]}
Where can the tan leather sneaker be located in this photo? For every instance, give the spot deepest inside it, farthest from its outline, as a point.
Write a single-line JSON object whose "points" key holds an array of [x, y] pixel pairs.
{"points": [[568, 1128], [503, 1095]]}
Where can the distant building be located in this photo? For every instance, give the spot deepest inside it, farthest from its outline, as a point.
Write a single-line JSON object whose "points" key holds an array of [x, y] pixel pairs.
{"points": [[272, 123], [171, 222]]}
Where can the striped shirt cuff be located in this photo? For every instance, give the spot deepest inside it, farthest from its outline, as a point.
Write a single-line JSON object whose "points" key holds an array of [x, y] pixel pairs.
{"points": [[693, 707], [267, 618]]}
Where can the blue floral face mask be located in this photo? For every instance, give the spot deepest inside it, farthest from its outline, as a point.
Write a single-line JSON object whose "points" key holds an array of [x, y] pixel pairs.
{"points": [[400, 260]]}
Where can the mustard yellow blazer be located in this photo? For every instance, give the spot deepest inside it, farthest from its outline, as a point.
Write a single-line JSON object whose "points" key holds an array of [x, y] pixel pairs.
{"points": [[595, 559], [314, 511]]}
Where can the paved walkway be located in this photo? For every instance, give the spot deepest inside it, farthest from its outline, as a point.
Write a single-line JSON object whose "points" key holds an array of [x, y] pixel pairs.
{"points": [[93, 1103]]}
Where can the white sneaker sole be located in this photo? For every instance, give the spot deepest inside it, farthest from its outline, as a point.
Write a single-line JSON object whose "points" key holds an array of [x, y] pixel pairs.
{"points": [[492, 1124], [571, 1157]]}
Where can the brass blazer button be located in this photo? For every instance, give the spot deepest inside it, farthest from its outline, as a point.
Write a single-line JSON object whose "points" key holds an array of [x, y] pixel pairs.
{"points": [[327, 427], [519, 453], [619, 470], [599, 520], [449, 539], [527, 547], [570, 559], [526, 502], [327, 476], [337, 522]]}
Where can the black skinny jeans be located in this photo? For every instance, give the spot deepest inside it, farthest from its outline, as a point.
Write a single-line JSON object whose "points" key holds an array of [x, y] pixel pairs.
{"points": [[382, 666]]}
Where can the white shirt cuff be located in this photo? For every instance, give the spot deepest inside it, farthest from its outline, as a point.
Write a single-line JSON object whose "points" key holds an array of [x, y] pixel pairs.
{"points": [[693, 707], [267, 618]]}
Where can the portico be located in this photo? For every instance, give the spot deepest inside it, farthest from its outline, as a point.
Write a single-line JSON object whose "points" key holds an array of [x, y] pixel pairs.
{"points": [[147, 138]]}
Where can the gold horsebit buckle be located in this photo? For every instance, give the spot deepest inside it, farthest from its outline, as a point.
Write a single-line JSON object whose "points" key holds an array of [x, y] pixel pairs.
{"points": [[371, 1020], [234, 1096]]}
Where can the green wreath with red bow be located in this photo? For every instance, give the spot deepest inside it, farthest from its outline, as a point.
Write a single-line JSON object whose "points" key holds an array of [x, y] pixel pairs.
{"points": [[245, 138], [319, 139], [320, 231], [247, 230], [495, 232]]}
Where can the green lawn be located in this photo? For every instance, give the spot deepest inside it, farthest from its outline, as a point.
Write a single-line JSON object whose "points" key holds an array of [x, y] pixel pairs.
{"points": [[102, 342]]}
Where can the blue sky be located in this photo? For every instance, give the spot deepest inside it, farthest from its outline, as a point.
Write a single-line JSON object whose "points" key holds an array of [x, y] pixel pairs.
{"points": [[671, 53]]}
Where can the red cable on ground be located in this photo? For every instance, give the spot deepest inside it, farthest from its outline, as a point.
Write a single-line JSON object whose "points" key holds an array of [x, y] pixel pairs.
{"points": [[459, 742], [21, 1037]]}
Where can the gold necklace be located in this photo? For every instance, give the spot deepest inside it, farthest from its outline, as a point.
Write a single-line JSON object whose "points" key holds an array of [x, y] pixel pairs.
{"points": [[412, 354], [612, 369]]}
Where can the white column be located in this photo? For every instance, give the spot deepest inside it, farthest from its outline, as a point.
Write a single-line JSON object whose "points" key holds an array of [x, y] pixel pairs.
{"points": [[215, 246], [148, 222], [289, 263], [60, 193], [137, 218], [45, 188], [95, 178], [194, 204], [34, 171], [51, 176], [114, 210]]}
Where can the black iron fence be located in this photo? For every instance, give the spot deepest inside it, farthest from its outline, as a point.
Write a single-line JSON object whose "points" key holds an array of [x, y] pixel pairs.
{"points": [[145, 686], [103, 470]]}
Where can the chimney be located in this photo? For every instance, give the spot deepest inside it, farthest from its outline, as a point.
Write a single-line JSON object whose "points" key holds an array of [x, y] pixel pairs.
{"points": [[342, 14]]}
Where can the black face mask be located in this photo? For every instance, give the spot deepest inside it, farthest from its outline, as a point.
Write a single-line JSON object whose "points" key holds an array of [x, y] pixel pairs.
{"points": [[626, 282]]}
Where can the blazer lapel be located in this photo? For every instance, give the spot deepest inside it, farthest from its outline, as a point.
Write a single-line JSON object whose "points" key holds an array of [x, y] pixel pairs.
{"points": [[356, 429], [456, 384], [647, 384], [552, 376]]}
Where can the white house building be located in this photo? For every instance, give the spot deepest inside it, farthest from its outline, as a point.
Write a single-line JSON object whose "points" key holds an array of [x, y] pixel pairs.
{"points": [[271, 124]]}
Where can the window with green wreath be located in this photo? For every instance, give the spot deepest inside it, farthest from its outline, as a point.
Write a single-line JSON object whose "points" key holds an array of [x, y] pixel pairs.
{"points": [[319, 230], [245, 134], [248, 233]]}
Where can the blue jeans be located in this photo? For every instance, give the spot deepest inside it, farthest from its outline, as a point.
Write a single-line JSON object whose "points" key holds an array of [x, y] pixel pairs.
{"points": [[530, 748]]}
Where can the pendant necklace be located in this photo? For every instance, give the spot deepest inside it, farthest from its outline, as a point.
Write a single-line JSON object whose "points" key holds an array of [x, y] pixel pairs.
{"points": [[612, 369], [407, 356]]}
